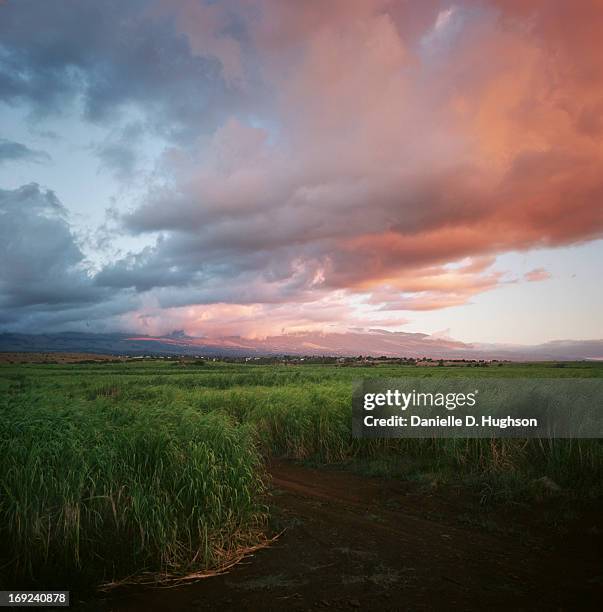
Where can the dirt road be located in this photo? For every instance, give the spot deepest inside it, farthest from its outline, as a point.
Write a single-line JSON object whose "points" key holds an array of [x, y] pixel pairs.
{"points": [[371, 544]]}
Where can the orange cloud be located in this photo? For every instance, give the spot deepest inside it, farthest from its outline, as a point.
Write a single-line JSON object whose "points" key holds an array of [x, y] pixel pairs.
{"points": [[399, 140]]}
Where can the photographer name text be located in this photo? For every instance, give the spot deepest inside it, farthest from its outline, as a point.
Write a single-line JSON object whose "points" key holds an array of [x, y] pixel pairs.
{"points": [[449, 421]]}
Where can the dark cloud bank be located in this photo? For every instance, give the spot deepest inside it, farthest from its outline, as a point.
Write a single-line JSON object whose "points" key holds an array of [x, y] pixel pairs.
{"points": [[44, 280]]}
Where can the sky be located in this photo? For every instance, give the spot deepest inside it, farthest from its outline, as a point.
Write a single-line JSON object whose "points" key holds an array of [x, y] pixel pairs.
{"points": [[263, 167]]}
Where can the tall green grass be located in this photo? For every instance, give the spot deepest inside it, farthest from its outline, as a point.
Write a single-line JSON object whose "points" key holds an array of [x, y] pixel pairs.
{"points": [[313, 422], [115, 470], [99, 491]]}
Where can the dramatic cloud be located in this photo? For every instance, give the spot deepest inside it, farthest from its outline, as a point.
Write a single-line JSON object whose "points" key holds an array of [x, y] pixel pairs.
{"points": [[325, 161], [112, 55], [39, 253], [43, 276], [394, 151]]}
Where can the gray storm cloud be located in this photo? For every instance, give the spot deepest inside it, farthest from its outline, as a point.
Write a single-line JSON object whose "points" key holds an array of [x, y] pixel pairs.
{"points": [[43, 275]]}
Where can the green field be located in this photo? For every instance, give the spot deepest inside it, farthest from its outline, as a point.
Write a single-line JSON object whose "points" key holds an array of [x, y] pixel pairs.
{"points": [[118, 470]]}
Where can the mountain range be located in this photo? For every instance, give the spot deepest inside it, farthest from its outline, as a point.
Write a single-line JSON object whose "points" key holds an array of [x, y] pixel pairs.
{"points": [[374, 342]]}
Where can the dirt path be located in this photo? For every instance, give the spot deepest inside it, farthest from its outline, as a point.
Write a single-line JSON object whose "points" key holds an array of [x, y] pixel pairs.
{"points": [[362, 543]]}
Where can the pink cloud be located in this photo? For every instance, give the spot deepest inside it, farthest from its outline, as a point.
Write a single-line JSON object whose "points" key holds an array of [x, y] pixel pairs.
{"points": [[536, 275], [399, 140]]}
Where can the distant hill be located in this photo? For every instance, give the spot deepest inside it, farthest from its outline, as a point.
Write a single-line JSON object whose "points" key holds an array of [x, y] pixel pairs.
{"points": [[374, 342]]}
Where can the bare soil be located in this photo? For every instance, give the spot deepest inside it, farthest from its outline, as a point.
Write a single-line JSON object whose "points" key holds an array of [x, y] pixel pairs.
{"points": [[352, 542]]}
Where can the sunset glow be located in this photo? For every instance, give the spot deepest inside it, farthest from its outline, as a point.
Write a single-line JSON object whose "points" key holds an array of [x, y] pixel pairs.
{"points": [[268, 167]]}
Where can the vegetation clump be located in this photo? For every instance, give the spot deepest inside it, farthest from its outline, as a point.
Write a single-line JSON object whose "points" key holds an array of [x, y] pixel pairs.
{"points": [[103, 489]]}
